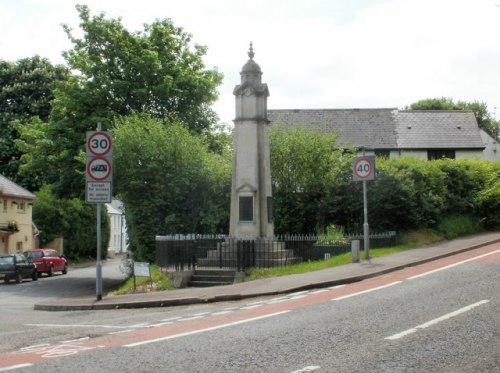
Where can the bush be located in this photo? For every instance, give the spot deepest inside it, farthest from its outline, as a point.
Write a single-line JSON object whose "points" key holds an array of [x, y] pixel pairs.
{"points": [[454, 226]]}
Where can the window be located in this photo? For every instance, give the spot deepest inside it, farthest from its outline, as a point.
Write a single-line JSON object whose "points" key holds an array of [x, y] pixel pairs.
{"points": [[4, 205], [434, 154], [269, 209], [21, 206], [383, 153], [246, 208]]}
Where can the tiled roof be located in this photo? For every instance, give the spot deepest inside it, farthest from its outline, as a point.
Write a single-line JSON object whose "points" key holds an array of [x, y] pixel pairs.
{"points": [[433, 129], [389, 128], [11, 189], [375, 128]]}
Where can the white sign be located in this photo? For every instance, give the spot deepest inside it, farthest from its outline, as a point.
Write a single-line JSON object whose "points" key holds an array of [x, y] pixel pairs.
{"points": [[363, 168], [99, 144], [98, 192], [141, 269]]}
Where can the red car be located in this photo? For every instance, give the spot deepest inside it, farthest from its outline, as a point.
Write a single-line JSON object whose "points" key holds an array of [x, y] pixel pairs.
{"points": [[48, 261]]}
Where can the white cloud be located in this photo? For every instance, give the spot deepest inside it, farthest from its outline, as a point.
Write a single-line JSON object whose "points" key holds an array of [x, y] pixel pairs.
{"points": [[314, 53]]}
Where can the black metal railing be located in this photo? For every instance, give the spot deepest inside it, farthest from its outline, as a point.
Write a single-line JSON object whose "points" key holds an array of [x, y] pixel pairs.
{"points": [[182, 252]]}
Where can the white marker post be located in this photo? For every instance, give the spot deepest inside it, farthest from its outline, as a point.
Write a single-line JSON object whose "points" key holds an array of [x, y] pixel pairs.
{"points": [[99, 185], [364, 170]]}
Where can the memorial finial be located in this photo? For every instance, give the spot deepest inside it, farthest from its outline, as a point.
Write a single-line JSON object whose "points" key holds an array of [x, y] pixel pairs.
{"points": [[250, 52]]}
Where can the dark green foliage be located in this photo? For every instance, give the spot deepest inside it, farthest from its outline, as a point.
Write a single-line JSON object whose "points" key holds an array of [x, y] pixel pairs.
{"points": [[169, 180], [407, 194], [26, 91], [156, 71], [454, 226], [71, 219]]}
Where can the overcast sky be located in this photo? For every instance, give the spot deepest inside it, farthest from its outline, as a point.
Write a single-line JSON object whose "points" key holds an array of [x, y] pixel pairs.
{"points": [[313, 53]]}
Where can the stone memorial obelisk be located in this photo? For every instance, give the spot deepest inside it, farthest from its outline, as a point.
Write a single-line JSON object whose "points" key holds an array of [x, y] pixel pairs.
{"points": [[251, 193]]}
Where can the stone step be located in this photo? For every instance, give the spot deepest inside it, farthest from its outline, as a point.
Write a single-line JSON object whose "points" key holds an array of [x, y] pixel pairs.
{"points": [[206, 278]]}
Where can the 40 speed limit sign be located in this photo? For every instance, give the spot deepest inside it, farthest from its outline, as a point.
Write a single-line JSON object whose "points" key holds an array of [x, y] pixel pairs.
{"points": [[363, 168]]}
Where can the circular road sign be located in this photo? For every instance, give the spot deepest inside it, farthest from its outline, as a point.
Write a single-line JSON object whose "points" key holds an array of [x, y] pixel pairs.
{"points": [[99, 143], [99, 169], [364, 168]]}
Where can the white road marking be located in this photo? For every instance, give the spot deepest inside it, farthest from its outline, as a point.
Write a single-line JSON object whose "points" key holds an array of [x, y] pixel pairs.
{"points": [[299, 296], [81, 326], [122, 331], [298, 293], [204, 330], [222, 312], [191, 318], [367, 291], [435, 321], [251, 307], [76, 340], [308, 369], [452, 265], [319, 291], [18, 366]]}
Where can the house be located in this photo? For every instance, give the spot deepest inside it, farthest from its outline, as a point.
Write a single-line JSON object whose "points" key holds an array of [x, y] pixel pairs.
{"points": [[118, 228], [425, 134], [17, 231]]}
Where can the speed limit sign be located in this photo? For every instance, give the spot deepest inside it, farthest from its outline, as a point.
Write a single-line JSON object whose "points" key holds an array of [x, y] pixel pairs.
{"points": [[99, 144], [363, 168]]}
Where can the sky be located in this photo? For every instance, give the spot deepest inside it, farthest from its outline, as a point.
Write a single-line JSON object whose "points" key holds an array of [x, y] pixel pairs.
{"points": [[314, 54]]}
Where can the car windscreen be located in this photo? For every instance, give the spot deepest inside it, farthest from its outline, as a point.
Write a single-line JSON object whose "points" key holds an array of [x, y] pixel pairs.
{"points": [[6, 260], [33, 254]]}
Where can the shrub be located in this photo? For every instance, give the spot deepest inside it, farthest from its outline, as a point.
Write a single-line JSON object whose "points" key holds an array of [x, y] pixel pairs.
{"points": [[454, 226]]}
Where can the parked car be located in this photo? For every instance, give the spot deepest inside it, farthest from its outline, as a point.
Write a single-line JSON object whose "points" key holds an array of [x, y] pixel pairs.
{"points": [[17, 267], [47, 261]]}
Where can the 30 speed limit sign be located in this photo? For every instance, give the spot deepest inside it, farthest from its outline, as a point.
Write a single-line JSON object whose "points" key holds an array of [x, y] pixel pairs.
{"points": [[99, 144], [363, 168]]}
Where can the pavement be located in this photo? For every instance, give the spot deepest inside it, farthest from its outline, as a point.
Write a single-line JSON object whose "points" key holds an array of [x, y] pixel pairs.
{"points": [[344, 274]]}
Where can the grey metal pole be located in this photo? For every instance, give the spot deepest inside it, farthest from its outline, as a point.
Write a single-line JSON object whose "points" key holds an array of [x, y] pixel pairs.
{"points": [[366, 228], [98, 267]]}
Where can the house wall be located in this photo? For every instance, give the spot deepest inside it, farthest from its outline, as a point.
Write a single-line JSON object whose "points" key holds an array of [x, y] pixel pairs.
{"points": [[492, 148], [469, 154], [18, 210], [422, 154], [118, 234]]}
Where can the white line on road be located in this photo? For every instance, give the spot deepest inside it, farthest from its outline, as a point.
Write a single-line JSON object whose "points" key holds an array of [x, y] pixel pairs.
{"points": [[452, 265], [78, 326], [12, 367], [204, 330], [367, 291], [435, 321], [308, 369]]}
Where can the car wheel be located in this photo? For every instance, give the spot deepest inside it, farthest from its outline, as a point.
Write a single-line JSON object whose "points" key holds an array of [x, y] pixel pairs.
{"points": [[19, 278], [51, 271], [34, 276], [65, 269]]}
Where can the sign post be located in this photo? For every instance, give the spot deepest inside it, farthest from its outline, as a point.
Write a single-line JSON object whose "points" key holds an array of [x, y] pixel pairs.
{"points": [[364, 170], [99, 185]]}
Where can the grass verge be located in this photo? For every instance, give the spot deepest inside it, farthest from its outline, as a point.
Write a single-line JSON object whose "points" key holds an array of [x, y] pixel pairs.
{"points": [[159, 281]]}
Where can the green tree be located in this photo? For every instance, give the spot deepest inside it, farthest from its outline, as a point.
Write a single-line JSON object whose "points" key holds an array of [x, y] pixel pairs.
{"points": [[169, 181], [305, 165], [156, 71], [485, 120], [26, 91], [71, 219]]}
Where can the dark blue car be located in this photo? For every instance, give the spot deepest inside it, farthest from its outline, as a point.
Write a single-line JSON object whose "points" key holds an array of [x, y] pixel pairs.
{"points": [[16, 267]]}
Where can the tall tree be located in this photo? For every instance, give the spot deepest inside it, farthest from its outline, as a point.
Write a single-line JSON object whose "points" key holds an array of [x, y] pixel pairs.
{"points": [[156, 71], [485, 120], [26, 91], [169, 180], [305, 165]]}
